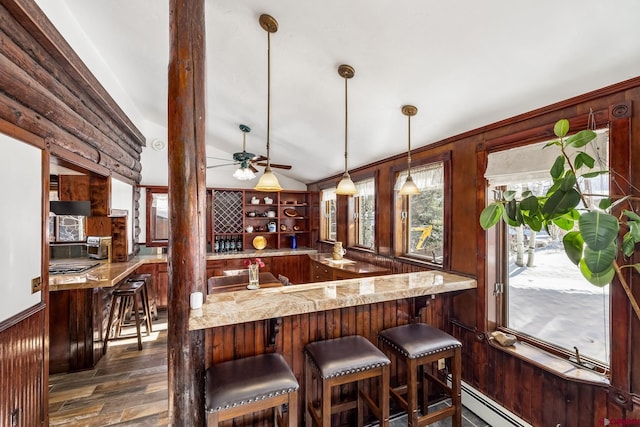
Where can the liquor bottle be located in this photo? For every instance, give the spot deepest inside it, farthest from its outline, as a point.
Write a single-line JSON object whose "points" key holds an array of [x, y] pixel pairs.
{"points": [[232, 244], [227, 244], [216, 245], [239, 244]]}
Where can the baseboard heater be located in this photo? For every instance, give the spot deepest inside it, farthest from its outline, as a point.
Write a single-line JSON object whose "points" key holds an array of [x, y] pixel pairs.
{"points": [[490, 411]]}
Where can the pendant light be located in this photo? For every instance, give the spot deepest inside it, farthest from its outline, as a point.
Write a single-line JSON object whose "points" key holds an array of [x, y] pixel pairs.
{"points": [[409, 187], [268, 180], [346, 186]]}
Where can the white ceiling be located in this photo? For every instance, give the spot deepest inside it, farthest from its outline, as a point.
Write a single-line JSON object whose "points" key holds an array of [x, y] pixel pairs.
{"points": [[464, 64]]}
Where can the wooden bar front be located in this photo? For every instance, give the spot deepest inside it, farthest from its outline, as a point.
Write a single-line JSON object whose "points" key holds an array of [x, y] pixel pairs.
{"points": [[357, 316]]}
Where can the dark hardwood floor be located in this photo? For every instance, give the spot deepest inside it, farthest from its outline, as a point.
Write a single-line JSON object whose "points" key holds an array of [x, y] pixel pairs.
{"points": [[127, 388]]}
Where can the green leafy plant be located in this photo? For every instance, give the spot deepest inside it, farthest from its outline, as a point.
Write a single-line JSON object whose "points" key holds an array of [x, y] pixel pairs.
{"points": [[593, 241]]}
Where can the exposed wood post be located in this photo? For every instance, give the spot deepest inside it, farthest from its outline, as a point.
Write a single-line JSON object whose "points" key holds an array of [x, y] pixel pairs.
{"points": [[187, 196]]}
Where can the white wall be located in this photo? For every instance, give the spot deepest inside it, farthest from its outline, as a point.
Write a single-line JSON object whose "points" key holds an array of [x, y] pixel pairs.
{"points": [[20, 225]]}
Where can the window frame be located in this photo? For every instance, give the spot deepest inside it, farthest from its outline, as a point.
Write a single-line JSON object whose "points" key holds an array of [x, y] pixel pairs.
{"points": [[400, 204], [325, 221], [498, 266], [151, 239], [353, 212]]}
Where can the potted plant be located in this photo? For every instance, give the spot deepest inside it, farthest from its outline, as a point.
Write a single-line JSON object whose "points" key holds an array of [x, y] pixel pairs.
{"points": [[594, 240]]}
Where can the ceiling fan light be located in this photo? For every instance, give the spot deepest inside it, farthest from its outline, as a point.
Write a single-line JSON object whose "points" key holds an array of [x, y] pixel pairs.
{"points": [[268, 182], [244, 174], [346, 187], [409, 187]]}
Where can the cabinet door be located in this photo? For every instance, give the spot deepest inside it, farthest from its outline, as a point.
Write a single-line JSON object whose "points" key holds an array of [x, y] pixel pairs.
{"points": [[162, 285]]}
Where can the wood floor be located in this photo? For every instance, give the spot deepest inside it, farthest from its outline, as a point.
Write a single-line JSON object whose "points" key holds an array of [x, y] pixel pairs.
{"points": [[127, 388]]}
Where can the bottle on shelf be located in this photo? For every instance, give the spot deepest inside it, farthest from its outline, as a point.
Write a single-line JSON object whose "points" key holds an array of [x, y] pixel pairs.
{"points": [[232, 244], [216, 245], [239, 243]]}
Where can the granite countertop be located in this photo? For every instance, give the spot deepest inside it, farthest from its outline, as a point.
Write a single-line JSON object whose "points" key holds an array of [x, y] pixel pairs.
{"points": [[247, 306], [109, 275], [349, 265]]}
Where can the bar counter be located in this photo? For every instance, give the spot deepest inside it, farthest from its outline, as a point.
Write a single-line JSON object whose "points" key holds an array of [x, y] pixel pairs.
{"points": [[247, 306], [107, 275]]}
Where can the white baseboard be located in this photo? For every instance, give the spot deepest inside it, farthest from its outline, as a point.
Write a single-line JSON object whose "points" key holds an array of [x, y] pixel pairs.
{"points": [[490, 411]]}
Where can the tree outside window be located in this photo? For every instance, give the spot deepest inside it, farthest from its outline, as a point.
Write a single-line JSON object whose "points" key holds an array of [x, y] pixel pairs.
{"points": [[422, 227], [328, 222]]}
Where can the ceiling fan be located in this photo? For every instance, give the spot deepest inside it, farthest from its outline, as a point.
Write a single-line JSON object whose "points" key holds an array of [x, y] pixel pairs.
{"points": [[245, 159]]}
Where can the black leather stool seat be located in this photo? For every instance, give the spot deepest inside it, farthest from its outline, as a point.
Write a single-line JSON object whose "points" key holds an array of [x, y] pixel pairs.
{"points": [[344, 356], [250, 379], [417, 340]]}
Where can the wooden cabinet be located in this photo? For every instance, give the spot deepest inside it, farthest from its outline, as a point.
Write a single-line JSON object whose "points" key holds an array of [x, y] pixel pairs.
{"points": [[323, 269]]}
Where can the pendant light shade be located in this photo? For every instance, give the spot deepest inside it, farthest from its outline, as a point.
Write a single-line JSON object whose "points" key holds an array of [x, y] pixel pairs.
{"points": [[268, 181], [409, 187], [346, 186]]}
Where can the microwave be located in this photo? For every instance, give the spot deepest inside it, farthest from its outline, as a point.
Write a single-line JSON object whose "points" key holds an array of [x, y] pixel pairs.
{"points": [[99, 247]]}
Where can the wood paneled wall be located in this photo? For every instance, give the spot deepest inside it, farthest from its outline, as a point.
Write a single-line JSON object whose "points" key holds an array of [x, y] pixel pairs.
{"points": [[22, 375], [232, 342], [490, 371]]}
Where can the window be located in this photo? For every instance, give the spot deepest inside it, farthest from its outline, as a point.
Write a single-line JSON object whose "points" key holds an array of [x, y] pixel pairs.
{"points": [[328, 223], [157, 217], [545, 295], [420, 226], [364, 214]]}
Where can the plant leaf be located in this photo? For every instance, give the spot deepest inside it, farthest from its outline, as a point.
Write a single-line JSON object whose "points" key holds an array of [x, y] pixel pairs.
{"points": [[510, 214], [564, 223], [558, 168], [509, 195], [598, 279], [573, 245], [605, 204], [631, 215], [529, 204], [568, 182], [628, 244], [534, 222], [600, 261], [636, 266], [598, 229], [491, 215], [583, 158], [561, 128], [594, 174], [581, 138], [560, 203]]}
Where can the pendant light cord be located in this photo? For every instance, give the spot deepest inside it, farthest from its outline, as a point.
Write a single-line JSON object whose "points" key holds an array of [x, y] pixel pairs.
{"points": [[346, 121], [409, 147], [268, 168]]}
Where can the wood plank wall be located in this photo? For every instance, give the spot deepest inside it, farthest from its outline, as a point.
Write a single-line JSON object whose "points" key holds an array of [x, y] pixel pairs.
{"points": [[22, 375], [488, 370], [232, 342]]}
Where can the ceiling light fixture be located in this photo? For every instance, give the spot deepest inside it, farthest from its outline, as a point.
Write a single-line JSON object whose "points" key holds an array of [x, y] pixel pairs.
{"points": [[346, 186], [409, 187], [244, 173], [268, 181]]}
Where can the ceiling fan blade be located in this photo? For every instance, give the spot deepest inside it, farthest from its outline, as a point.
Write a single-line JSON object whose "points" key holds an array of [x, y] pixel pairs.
{"points": [[253, 169], [219, 166], [276, 165], [259, 159]]}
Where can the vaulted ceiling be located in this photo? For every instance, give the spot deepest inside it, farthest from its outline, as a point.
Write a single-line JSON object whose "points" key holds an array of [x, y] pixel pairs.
{"points": [[464, 64]]}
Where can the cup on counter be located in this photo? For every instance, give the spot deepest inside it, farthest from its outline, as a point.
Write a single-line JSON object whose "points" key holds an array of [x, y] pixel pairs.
{"points": [[195, 300]]}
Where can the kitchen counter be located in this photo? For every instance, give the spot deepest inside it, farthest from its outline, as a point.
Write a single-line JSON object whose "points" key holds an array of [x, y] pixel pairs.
{"points": [[247, 306], [108, 275]]}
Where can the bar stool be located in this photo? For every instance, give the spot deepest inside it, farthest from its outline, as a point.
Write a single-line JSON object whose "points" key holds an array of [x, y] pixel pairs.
{"points": [[340, 361], [243, 386], [128, 296], [149, 294], [418, 345]]}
